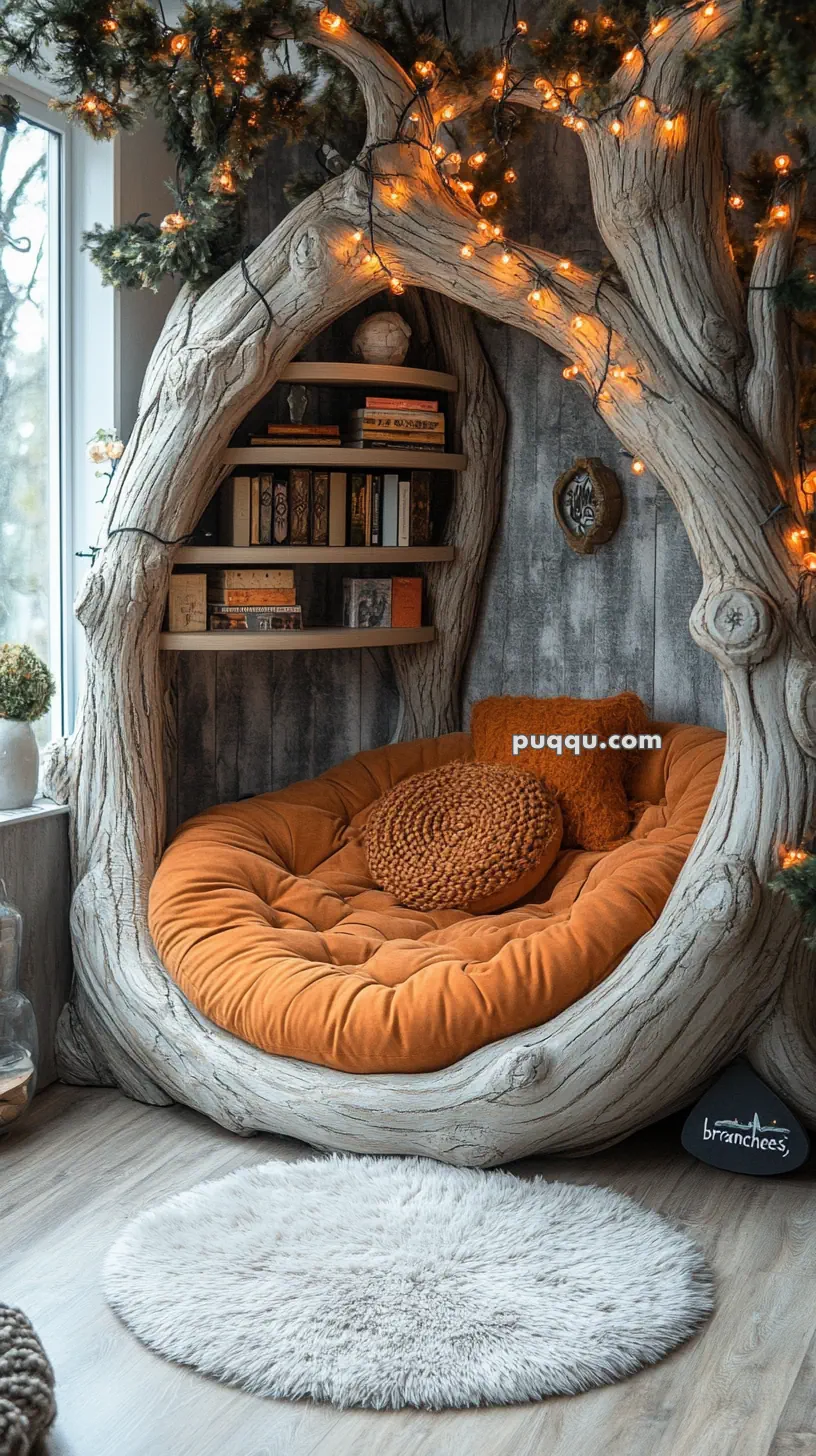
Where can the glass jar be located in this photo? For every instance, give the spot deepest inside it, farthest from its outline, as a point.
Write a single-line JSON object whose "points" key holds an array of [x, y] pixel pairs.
{"points": [[18, 1027]]}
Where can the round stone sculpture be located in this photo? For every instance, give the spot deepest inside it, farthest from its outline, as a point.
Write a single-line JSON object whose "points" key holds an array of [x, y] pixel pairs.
{"points": [[383, 338]]}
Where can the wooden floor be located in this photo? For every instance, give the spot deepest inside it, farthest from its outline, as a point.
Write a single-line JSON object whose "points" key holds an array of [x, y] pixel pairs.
{"points": [[86, 1161]]}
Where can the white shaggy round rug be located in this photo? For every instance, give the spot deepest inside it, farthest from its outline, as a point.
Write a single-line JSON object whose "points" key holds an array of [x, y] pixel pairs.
{"points": [[392, 1282]]}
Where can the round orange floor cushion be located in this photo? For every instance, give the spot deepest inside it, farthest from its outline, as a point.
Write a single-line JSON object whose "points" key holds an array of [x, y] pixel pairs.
{"points": [[266, 914], [465, 836]]}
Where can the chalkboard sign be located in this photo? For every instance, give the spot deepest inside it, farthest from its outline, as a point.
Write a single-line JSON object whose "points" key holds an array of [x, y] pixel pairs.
{"points": [[740, 1125]]}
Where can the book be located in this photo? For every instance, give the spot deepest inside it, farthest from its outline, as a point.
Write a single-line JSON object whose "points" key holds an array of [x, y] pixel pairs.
{"points": [[357, 510], [390, 508], [385, 402], [406, 601], [367, 601], [368, 498], [390, 444], [282, 609], [252, 596], [280, 509], [266, 510], [420, 508], [255, 576], [384, 420], [300, 482], [312, 430], [234, 519], [375, 514], [404, 513], [187, 602], [243, 621], [291, 442], [319, 526], [254, 511], [338, 491]]}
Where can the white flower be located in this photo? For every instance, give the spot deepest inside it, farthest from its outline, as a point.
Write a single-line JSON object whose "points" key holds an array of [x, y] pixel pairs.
{"points": [[98, 452], [114, 449]]}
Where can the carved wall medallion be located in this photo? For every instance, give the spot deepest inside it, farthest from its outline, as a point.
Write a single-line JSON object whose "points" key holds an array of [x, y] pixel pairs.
{"points": [[587, 502]]}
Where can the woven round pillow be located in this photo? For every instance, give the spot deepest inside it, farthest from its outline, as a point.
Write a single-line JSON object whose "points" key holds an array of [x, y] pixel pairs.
{"points": [[27, 1407], [466, 836]]}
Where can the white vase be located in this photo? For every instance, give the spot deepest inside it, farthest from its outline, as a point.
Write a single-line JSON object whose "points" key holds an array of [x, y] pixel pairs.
{"points": [[19, 764]]}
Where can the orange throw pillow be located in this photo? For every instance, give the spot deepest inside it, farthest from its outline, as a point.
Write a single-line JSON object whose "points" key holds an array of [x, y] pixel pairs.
{"points": [[590, 785], [465, 836]]}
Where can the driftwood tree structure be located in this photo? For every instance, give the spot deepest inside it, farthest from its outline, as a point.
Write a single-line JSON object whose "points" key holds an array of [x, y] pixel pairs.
{"points": [[692, 378]]}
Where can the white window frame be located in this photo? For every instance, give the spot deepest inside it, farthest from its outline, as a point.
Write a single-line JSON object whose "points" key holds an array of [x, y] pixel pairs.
{"points": [[87, 396]]}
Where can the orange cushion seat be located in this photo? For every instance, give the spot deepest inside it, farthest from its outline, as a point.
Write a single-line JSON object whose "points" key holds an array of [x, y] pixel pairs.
{"points": [[265, 915]]}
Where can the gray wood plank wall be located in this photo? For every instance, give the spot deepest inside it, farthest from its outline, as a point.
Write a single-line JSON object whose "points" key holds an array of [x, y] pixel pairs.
{"points": [[34, 864], [549, 621]]}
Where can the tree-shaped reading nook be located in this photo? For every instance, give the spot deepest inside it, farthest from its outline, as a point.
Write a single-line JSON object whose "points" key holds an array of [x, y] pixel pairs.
{"points": [[688, 344]]}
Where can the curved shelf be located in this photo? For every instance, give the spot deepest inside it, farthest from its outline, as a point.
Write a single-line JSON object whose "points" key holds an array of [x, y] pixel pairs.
{"points": [[308, 639], [308, 555], [377, 375], [345, 458]]}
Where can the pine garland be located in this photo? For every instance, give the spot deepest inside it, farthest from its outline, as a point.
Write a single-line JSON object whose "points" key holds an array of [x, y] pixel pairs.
{"points": [[798, 882]]}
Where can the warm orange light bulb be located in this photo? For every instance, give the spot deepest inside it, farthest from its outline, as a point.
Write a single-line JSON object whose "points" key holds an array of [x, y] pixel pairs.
{"points": [[488, 199], [507, 257], [798, 536], [499, 76], [629, 56], [448, 113], [180, 44], [357, 236], [782, 162], [465, 186], [521, 27], [580, 124], [564, 265], [477, 159], [580, 26], [496, 230], [809, 561], [736, 201], [542, 84], [638, 467], [511, 175], [616, 127], [454, 159], [466, 250], [174, 222], [483, 225], [396, 284], [659, 26], [368, 257], [669, 124], [393, 195], [579, 321], [330, 21], [574, 79], [790, 857], [534, 296], [571, 372], [618, 372], [109, 26], [780, 213], [642, 104], [438, 151], [708, 10], [809, 483]]}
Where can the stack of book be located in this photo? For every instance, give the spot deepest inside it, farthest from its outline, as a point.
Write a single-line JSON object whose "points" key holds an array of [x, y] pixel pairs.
{"points": [[301, 507], [249, 600], [397, 424], [388, 601]]}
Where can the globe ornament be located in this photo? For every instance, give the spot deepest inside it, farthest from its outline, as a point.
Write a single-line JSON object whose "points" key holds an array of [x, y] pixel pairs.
{"points": [[383, 338]]}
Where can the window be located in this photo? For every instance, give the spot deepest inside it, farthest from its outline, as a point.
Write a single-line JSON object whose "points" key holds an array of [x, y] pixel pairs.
{"points": [[31, 594]]}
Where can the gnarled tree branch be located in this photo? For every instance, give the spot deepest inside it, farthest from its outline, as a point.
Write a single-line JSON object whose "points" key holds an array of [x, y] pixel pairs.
{"points": [[772, 388]]}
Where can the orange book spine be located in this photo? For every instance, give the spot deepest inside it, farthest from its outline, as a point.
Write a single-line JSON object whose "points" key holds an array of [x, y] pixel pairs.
{"points": [[406, 601]]}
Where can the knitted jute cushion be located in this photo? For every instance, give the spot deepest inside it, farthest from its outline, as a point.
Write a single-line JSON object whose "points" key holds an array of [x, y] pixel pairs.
{"points": [[468, 836], [27, 1406]]}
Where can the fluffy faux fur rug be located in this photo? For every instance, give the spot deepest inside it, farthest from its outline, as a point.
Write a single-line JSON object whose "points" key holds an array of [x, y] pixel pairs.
{"points": [[404, 1282]]}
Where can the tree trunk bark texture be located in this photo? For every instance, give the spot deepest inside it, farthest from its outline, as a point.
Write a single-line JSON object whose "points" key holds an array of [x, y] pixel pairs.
{"points": [[688, 377]]}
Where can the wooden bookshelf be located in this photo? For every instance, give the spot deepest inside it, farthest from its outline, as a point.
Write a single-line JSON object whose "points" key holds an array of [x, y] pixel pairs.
{"points": [[309, 555], [308, 639], [340, 457], [374, 376]]}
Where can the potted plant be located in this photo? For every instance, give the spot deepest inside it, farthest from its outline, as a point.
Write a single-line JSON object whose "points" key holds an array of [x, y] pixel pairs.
{"points": [[26, 690]]}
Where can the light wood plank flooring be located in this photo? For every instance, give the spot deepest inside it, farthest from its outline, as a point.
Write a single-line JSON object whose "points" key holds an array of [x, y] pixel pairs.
{"points": [[86, 1161]]}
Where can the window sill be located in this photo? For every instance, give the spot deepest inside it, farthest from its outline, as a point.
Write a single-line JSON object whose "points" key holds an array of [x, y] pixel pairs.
{"points": [[40, 809]]}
